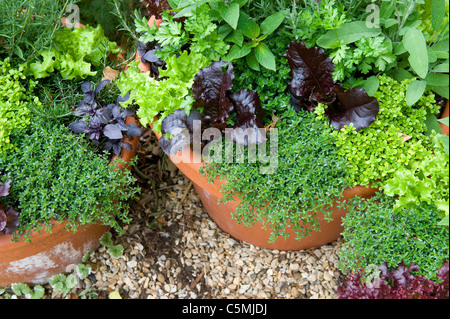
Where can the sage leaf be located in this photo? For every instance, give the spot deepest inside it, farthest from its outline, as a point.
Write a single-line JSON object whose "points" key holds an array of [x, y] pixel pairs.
{"points": [[415, 91], [437, 14], [346, 33], [415, 44]]}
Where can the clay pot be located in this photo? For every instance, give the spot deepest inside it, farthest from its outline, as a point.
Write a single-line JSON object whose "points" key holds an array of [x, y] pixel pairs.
{"points": [[187, 162], [50, 253]]}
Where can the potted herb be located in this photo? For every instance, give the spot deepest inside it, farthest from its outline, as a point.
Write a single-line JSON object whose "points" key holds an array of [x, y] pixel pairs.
{"points": [[239, 73], [65, 191]]}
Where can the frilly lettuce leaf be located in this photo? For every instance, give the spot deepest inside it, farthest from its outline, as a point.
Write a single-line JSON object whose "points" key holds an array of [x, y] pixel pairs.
{"points": [[73, 54], [157, 99]]}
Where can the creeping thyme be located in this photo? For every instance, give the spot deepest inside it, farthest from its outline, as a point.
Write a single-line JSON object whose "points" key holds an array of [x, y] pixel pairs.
{"points": [[58, 175]]}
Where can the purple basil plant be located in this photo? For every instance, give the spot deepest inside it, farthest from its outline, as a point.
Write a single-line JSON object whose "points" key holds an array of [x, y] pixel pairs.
{"points": [[104, 124]]}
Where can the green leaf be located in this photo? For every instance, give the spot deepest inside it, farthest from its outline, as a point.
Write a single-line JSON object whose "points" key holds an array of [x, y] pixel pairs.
{"points": [[346, 33], [444, 221], [272, 22], [236, 37], [106, 239], [265, 57], [444, 121], [230, 14], [116, 251], [38, 292], [445, 141], [441, 90], [415, 91], [371, 85], [438, 14], [437, 79], [442, 68], [248, 27], [415, 44], [237, 52], [432, 123], [252, 62]]}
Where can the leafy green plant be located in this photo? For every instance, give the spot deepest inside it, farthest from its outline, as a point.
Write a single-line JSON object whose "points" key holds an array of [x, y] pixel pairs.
{"points": [[60, 176], [27, 27], [423, 181], [73, 53], [19, 289], [310, 175], [64, 283], [376, 233], [401, 129], [198, 33], [158, 99], [15, 96], [114, 250], [397, 47]]}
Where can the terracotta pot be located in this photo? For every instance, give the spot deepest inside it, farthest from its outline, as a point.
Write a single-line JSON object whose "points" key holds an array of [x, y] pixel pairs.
{"points": [[50, 253], [445, 113], [188, 163]]}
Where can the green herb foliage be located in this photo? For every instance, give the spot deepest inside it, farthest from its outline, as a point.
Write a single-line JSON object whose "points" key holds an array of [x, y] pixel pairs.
{"points": [[375, 153], [374, 233], [310, 175], [14, 99], [73, 53], [198, 33], [270, 85], [423, 181], [162, 98], [60, 176], [27, 27]]}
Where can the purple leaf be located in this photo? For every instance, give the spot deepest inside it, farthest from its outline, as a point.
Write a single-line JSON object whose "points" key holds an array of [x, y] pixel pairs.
{"points": [[121, 99], [4, 188], [312, 73], [210, 89], [79, 127], [250, 117], [101, 85], [133, 130], [112, 131], [353, 106], [180, 127], [9, 219]]}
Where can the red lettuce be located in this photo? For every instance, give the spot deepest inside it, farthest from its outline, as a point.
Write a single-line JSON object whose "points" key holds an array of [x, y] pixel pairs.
{"points": [[312, 75], [312, 83], [9, 217], [250, 115], [210, 89], [398, 283]]}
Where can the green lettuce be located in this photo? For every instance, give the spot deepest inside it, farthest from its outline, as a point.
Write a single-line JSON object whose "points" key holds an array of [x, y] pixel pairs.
{"points": [[158, 99], [73, 53]]}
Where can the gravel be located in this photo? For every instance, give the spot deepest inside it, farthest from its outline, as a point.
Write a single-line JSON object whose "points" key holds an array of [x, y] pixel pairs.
{"points": [[173, 250]]}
